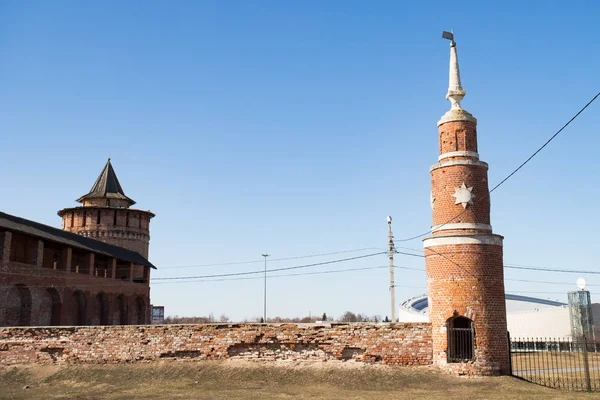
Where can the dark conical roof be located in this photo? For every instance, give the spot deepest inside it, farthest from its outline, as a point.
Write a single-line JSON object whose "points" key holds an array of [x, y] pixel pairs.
{"points": [[107, 186]]}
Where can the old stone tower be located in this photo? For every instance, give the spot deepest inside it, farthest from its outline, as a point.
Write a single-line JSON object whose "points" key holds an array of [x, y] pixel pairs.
{"points": [[465, 279], [105, 215]]}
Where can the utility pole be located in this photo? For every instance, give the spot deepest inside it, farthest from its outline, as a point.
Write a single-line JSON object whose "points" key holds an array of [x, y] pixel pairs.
{"points": [[265, 255], [391, 256]]}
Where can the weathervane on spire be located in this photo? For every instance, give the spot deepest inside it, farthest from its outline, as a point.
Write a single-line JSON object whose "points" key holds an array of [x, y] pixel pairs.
{"points": [[449, 36], [455, 90]]}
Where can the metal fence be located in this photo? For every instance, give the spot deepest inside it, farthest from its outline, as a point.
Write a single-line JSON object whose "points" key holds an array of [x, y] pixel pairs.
{"points": [[557, 363], [460, 344]]}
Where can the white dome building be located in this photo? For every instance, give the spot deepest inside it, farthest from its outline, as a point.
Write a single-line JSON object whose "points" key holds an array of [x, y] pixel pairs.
{"points": [[527, 317]]}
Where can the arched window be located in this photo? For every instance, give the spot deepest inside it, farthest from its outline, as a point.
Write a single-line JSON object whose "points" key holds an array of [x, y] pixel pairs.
{"points": [[102, 308], [140, 311], [461, 339], [52, 308], [18, 306], [79, 308], [123, 310]]}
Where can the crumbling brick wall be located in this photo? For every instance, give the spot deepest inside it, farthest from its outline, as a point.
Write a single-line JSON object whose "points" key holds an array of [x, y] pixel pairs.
{"points": [[391, 344]]}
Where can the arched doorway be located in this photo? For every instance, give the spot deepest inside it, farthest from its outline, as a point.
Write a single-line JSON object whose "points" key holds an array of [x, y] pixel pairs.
{"points": [[18, 306], [51, 308], [102, 308], [140, 311], [123, 310], [80, 307], [461, 339]]}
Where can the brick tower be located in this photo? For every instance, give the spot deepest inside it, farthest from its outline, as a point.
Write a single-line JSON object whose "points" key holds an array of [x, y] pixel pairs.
{"points": [[465, 279], [105, 215]]}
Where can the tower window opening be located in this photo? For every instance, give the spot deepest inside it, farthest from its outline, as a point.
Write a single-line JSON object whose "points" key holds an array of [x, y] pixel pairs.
{"points": [[72, 219], [115, 218], [461, 340], [84, 217], [98, 217], [127, 218], [140, 222]]}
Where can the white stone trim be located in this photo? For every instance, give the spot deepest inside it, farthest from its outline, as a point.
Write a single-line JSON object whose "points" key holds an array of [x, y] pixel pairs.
{"points": [[462, 239], [457, 115], [462, 225], [449, 154], [449, 163]]}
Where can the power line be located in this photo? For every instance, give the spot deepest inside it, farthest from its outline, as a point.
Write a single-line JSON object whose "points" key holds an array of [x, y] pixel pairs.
{"points": [[409, 254], [534, 292], [513, 172], [270, 260], [407, 248], [570, 271], [109, 282], [272, 270], [276, 276], [545, 144], [545, 282], [523, 267]]}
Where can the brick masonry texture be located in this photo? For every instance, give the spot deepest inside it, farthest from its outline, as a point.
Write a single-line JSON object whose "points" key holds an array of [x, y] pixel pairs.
{"points": [[458, 136], [69, 298], [128, 228], [468, 280], [390, 344], [465, 280], [443, 184]]}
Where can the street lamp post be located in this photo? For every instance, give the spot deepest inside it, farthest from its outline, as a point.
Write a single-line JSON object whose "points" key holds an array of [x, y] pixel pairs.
{"points": [[265, 255]]}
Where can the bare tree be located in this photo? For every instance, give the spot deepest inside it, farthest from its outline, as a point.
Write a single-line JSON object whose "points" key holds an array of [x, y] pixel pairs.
{"points": [[349, 317], [224, 318]]}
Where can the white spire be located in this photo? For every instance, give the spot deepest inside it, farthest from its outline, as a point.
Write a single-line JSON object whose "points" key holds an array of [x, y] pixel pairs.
{"points": [[455, 91]]}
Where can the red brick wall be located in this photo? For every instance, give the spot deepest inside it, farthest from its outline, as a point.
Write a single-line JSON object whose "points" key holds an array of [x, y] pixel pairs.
{"points": [[468, 280], [131, 231], [465, 279], [458, 136], [48, 286], [443, 183], [397, 344]]}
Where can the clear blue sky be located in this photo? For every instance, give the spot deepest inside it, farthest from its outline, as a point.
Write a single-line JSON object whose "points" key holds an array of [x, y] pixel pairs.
{"points": [[294, 128]]}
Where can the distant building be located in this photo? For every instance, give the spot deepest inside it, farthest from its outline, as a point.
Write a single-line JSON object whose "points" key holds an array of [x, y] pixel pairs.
{"points": [[527, 317], [94, 272], [158, 314]]}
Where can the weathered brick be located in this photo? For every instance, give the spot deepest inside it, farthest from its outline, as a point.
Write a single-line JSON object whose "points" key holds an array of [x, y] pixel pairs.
{"points": [[393, 344]]}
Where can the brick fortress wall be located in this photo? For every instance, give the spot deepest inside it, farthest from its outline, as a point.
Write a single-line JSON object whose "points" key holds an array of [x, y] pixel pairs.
{"points": [[124, 227], [390, 344], [71, 296]]}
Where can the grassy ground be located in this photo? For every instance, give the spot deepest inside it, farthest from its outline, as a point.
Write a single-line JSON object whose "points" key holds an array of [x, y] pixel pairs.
{"points": [[552, 360], [557, 369], [240, 380]]}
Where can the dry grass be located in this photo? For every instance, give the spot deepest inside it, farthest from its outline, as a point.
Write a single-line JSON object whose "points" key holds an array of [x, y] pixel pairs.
{"points": [[557, 369], [552, 360], [242, 380]]}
